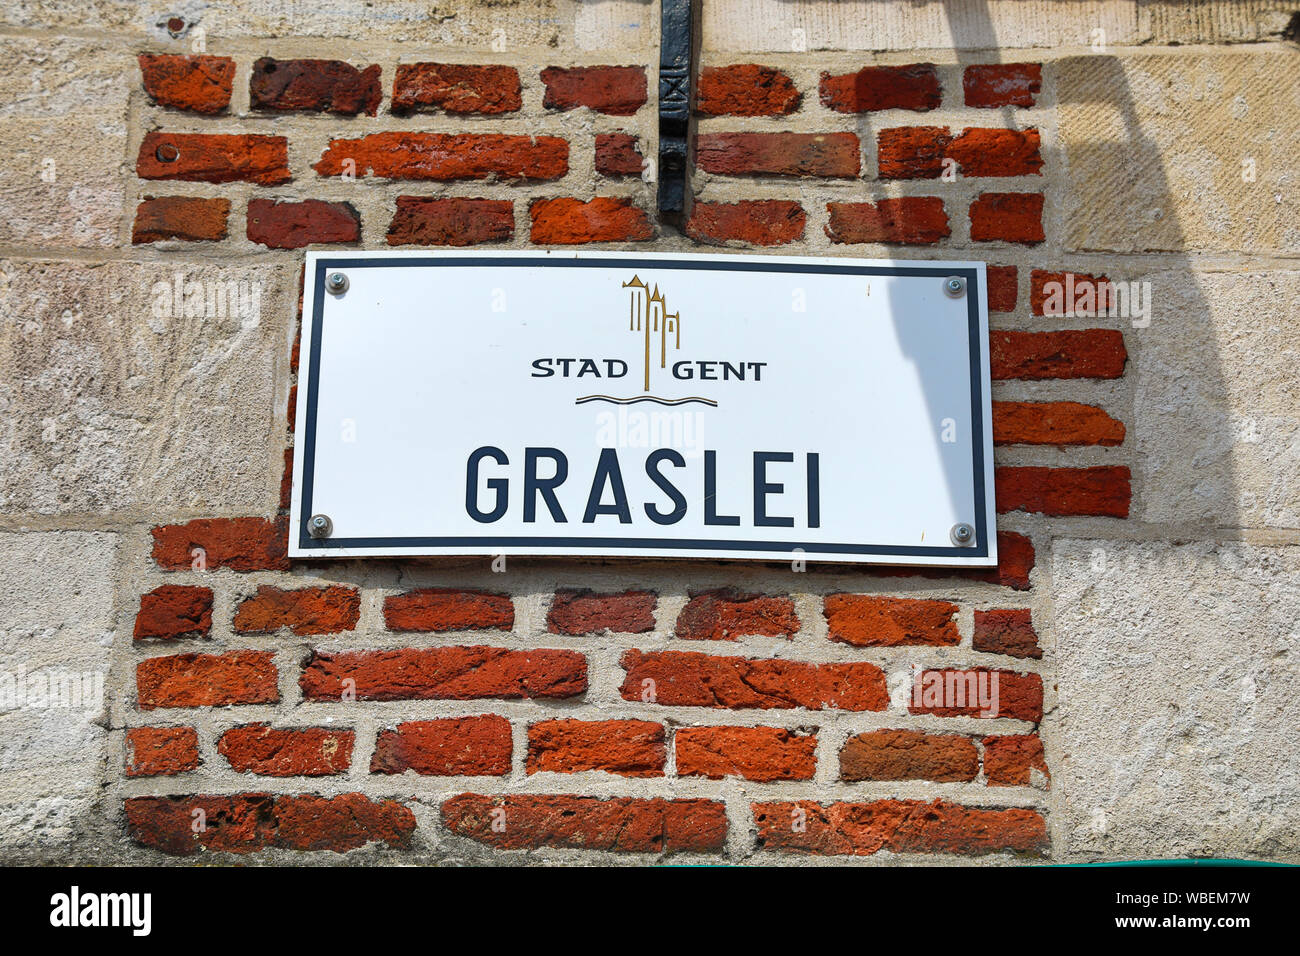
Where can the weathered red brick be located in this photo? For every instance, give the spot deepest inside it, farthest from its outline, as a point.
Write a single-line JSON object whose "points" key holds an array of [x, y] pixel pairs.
{"points": [[207, 680], [914, 87], [728, 614], [174, 611], [444, 673], [866, 620], [955, 693], [161, 751], [199, 84], [1054, 423], [899, 826], [906, 220], [242, 823], [445, 156], [314, 86], [1008, 761], [618, 154], [909, 755], [1002, 281], [448, 747], [240, 544], [1015, 562], [214, 158], [912, 152], [568, 222], [630, 748], [1057, 492], [991, 85], [448, 609], [616, 90], [779, 154], [180, 217], [762, 754], [456, 88], [1075, 353], [295, 752], [323, 610], [425, 221], [690, 679], [997, 152], [292, 225], [588, 612], [745, 89], [766, 222], [1092, 294], [1006, 631], [1007, 217], [621, 824]]}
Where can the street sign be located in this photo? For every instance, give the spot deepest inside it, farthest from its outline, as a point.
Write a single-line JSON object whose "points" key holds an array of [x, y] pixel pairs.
{"points": [[637, 405]]}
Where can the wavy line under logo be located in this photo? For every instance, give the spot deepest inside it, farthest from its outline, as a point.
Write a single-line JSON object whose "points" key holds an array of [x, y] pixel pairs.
{"points": [[645, 398]]}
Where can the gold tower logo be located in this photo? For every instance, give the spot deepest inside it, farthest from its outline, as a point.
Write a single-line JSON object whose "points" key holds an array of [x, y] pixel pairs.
{"points": [[648, 311]]}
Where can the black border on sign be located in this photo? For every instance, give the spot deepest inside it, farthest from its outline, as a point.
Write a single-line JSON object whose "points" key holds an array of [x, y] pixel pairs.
{"points": [[979, 550]]}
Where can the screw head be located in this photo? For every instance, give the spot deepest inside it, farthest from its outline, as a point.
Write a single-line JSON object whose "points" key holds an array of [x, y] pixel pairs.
{"points": [[962, 535], [336, 283], [167, 153], [320, 526], [954, 286]]}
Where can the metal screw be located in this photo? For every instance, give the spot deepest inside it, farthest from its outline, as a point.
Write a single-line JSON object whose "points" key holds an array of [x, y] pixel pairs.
{"points": [[167, 153], [336, 283], [954, 286], [962, 535], [320, 526]]}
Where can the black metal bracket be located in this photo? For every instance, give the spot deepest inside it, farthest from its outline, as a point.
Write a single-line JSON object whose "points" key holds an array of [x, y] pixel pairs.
{"points": [[675, 71]]}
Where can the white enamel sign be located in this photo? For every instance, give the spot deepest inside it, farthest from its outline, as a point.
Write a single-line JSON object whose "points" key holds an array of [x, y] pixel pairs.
{"points": [[618, 404]]}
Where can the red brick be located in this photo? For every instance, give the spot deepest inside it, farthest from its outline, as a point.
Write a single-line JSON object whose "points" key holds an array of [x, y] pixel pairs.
{"points": [[621, 824], [199, 84], [305, 752], [745, 89], [1007, 217], [207, 680], [180, 217], [244, 822], [779, 154], [161, 751], [314, 86], [991, 85], [240, 544], [449, 747], [864, 620], [568, 222], [174, 611], [424, 221], [1089, 291], [909, 755], [689, 679], [874, 88], [1009, 760], [1015, 561], [1064, 491], [762, 754], [630, 748], [767, 222], [1002, 281], [898, 826], [323, 610], [997, 152], [1009, 631], [906, 220], [618, 154], [215, 158], [445, 156], [444, 673], [912, 152], [1054, 423], [1076, 353], [456, 88], [448, 609], [586, 612], [292, 225], [286, 480], [1019, 696], [727, 614], [616, 90], [291, 407]]}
